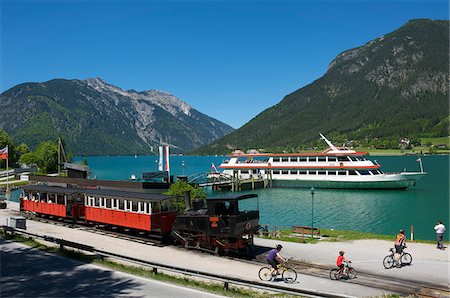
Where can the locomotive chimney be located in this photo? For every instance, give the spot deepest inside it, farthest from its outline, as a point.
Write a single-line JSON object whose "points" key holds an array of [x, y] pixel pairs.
{"points": [[187, 200]]}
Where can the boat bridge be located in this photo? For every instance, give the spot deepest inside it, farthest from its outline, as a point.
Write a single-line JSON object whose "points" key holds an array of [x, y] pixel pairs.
{"points": [[221, 181]]}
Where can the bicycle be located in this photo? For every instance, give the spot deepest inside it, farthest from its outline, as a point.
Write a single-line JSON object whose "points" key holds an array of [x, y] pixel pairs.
{"points": [[288, 274], [389, 261], [336, 273]]}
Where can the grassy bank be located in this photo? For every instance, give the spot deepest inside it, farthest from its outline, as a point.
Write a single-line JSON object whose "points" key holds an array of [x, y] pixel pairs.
{"points": [[212, 287], [334, 235]]}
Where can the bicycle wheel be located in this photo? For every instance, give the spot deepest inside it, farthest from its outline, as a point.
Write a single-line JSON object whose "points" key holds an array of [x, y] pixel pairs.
{"points": [[351, 273], [406, 259], [289, 275], [334, 274], [265, 274], [388, 262]]}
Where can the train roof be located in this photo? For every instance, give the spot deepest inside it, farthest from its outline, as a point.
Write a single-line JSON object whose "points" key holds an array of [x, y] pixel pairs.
{"points": [[234, 197], [51, 189], [128, 195]]}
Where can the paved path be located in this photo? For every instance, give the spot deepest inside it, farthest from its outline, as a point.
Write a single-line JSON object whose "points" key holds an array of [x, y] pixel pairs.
{"points": [[429, 264], [27, 272]]}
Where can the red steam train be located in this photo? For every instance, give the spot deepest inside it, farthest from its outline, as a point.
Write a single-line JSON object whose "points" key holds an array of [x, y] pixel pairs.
{"points": [[212, 227]]}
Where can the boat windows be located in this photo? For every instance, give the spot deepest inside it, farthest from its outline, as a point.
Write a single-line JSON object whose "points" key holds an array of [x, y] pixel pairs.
{"points": [[312, 159], [332, 158], [312, 172], [331, 172], [303, 159], [352, 172], [342, 158], [293, 159], [321, 172], [342, 173], [276, 159], [353, 158], [285, 159], [321, 159], [364, 172], [285, 172], [303, 172], [244, 171]]}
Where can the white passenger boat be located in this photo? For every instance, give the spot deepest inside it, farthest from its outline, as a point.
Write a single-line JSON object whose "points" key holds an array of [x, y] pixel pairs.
{"points": [[333, 168]]}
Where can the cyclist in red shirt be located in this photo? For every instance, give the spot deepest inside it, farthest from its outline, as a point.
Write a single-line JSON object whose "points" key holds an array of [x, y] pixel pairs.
{"points": [[340, 262]]}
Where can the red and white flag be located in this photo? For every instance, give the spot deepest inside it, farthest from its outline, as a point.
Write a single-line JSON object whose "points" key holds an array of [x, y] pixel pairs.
{"points": [[4, 153]]}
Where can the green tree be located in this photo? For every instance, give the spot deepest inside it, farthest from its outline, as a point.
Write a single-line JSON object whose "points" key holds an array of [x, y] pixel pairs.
{"points": [[47, 154], [30, 159], [179, 190]]}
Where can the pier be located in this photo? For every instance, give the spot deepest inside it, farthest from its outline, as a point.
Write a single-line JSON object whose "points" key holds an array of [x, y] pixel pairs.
{"points": [[220, 181]]}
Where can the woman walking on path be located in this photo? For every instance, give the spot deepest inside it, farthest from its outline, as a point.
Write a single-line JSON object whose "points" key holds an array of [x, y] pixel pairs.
{"points": [[440, 229]]}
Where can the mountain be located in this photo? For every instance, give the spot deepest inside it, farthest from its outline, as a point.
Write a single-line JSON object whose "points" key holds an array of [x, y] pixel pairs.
{"points": [[392, 87], [95, 117]]}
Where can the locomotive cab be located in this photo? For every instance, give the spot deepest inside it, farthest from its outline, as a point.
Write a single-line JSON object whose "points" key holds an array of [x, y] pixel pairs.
{"points": [[225, 224]]}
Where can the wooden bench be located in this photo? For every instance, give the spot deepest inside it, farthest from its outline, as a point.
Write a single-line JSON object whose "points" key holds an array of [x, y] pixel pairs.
{"points": [[305, 231]]}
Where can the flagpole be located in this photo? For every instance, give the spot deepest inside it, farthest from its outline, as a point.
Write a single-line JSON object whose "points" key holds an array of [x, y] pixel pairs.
{"points": [[7, 175], [421, 166]]}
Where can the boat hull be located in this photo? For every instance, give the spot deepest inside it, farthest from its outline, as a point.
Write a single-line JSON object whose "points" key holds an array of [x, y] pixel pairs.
{"points": [[388, 181]]}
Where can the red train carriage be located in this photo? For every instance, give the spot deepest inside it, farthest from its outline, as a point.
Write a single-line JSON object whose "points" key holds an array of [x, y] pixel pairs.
{"points": [[49, 200], [141, 211]]}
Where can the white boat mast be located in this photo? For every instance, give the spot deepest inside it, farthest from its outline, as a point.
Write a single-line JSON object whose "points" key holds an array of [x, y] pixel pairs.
{"points": [[334, 149], [328, 142]]}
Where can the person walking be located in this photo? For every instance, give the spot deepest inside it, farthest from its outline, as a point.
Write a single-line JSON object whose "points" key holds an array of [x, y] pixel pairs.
{"points": [[440, 229]]}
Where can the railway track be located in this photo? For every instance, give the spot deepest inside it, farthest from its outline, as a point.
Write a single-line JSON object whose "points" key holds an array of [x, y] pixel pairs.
{"points": [[401, 286]]}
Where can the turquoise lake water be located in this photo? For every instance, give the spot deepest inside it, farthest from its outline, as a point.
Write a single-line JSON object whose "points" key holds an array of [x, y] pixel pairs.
{"points": [[377, 211]]}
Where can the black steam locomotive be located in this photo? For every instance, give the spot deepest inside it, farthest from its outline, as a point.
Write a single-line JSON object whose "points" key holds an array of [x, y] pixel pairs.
{"points": [[223, 225]]}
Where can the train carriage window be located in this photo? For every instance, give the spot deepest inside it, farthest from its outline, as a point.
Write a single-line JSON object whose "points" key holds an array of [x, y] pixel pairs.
{"points": [[134, 206], [156, 207], [60, 199], [108, 203], [168, 205], [96, 201], [121, 204]]}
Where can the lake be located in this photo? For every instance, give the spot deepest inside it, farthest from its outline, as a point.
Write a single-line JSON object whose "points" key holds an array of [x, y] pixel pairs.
{"points": [[376, 211]]}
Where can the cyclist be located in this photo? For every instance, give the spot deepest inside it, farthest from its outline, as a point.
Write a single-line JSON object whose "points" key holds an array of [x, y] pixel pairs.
{"points": [[272, 257], [340, 263], [399, 245]]}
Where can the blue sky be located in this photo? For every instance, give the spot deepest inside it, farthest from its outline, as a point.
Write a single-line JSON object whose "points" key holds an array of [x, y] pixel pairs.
{"points": [[228, 59]]}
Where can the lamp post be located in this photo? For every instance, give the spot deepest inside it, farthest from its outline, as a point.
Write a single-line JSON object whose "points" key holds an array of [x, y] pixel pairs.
{"points": [[312, 212]]}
